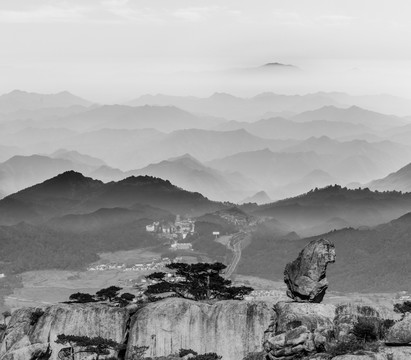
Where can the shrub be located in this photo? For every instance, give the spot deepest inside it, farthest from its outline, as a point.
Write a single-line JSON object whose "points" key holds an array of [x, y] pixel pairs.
{"points": [[294, 324], [137, 352], [366, 329], [184, 352], [35, 316], [207, 356], [403, 308]]}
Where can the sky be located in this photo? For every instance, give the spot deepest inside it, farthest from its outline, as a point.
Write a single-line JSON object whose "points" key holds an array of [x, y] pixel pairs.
{"points": [[113, 50]]}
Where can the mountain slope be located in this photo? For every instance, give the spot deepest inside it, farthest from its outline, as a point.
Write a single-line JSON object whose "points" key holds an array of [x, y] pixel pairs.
{"points": [[399, 180], [360, 207], [72, 193], [20, 172], [187, 172], [368, 260], [204, 145]]}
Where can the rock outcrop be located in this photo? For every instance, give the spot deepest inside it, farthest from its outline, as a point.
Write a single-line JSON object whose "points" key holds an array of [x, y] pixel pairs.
{"points": [[298, 329], [231, 329], [305, 276], [400, 332], [347, 315], [28, 335]]}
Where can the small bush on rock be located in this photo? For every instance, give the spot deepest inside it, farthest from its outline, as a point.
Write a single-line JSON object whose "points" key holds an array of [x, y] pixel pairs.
{"points": [[207, 356], [403, 308], [294, 324], [35, 316], [184, 352], [366, 329]]}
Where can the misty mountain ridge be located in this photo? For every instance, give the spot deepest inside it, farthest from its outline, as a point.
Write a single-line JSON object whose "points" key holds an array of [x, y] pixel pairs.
{"points": [[280, 128], [233, 107], [204, 145], [259, 198], [353, 114], [162, 118], [20, 172], [189, 173], [399, 180], [358, 207], [22, 100]]}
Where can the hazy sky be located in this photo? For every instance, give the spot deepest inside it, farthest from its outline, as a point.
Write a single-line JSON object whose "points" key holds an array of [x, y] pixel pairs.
{"points": [[114, 49]]}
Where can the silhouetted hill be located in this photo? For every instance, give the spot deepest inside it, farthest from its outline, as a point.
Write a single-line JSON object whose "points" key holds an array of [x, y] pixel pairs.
{"points": [[72, 193], [360, 207], [107, 218], [22, 100], [399, 180]]}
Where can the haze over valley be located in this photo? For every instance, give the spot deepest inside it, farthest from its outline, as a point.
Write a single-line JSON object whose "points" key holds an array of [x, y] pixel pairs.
{"points": [[140, 139]]}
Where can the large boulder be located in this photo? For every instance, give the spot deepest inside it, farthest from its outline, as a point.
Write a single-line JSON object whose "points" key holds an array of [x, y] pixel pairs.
{"points": [[400, 332], [231, 329], [31, 333], [305, 276]]}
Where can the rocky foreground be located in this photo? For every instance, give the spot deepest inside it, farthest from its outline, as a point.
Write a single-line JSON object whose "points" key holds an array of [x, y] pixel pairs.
{"points": [[229, 328], [233, 329]]}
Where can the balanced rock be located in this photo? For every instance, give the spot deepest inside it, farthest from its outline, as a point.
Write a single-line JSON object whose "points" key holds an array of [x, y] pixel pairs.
{"points": [[305, 276]]}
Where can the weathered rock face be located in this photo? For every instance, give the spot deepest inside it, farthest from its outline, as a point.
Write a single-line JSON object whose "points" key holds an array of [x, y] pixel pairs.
{"points": [[400, 332], [400, 353], [229, 328], [346, 315], [298, 329], [23, 338], [305, 276]]}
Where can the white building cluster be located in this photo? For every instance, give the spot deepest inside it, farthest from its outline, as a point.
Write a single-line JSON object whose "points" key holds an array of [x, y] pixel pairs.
{"points": [[155, 264], [178, 229]]}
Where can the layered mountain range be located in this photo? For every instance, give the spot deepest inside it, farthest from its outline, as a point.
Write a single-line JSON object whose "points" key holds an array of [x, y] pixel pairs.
{"points": [[73, 172]]}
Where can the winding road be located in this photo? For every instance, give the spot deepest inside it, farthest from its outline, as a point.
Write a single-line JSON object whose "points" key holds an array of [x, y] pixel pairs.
{"points": [[235, 245]]}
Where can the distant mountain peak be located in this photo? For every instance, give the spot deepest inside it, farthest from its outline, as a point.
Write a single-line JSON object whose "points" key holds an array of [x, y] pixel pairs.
{"points": [[277, 64], [71, 175], [260, 197]]}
